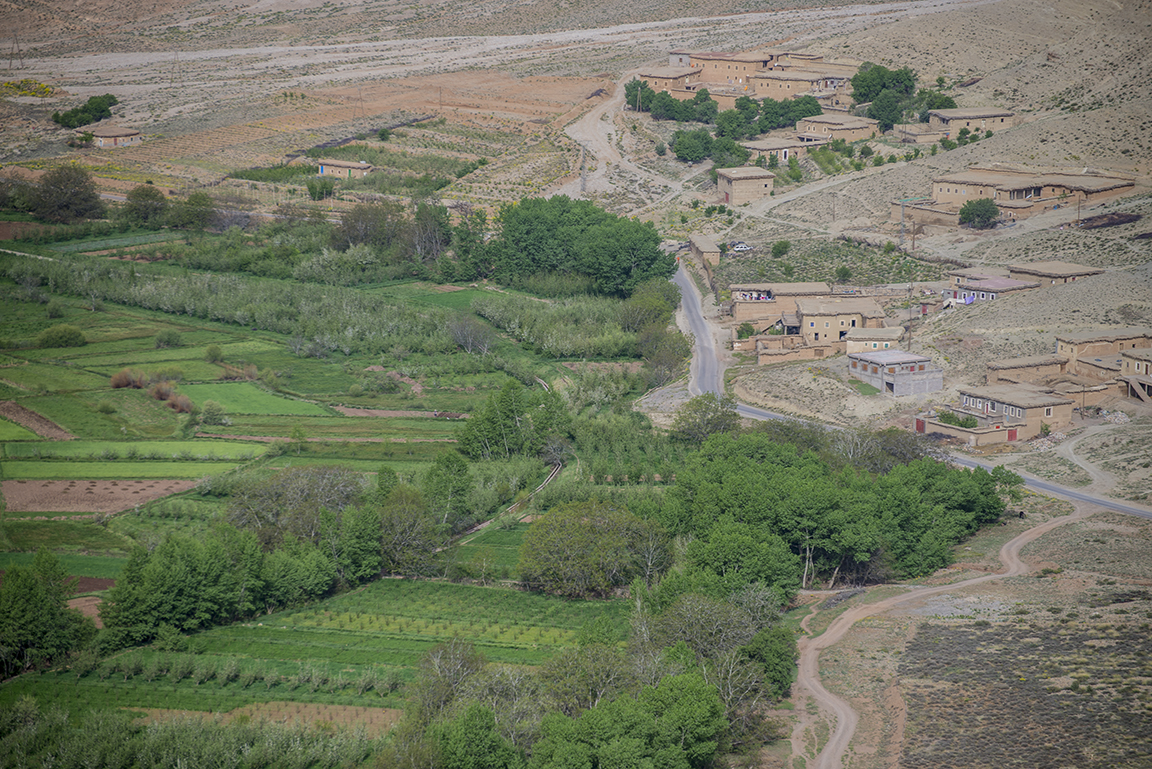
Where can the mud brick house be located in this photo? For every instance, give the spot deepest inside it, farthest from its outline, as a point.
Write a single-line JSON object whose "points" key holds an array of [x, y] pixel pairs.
{"points": [[980, 289], [896, 372], [704, 249], [1003, 413], [738, 186], [1051, 273], [1025, 369], [113, 136], [1136, 373], [869, 339], [344, 169], [822, 128], [975, 119], [781, 149], [1017, 192], [670, 79], [1103, 343], [769, 301], [830, 319]]}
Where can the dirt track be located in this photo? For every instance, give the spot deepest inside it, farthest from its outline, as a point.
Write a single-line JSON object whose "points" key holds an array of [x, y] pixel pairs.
{"points": [[808, 680]]}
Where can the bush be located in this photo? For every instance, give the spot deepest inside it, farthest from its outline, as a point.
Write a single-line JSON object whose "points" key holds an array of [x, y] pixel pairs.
{"points": [[661, 149], [745, 331], [62, 335], [168, 338], [213, 354], [55, 309], [126, 377], [181, 404], [161, 391], [780, 248], [105, 407], [949, 418], [213, 414]]}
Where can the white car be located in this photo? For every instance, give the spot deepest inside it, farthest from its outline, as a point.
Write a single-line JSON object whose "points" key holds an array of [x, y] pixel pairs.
{"points": [[741, 247]]}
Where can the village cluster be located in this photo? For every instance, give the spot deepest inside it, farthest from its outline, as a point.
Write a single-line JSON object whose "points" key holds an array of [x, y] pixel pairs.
{"points": [[1023, 398]]}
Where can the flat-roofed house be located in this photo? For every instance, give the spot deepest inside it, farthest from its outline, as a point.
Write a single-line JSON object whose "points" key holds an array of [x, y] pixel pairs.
{"points": [[113, 136], [869, 339], [704, 248], [829, 127], [781, 148], [768, 301], [345, 169], [975, 119], [1027, 368], [1093, 344], [1003, 413], [985, 289], [830, 319], [1052, 272], [896, 372], [670, 78], [1136, 373], [738, 186]]}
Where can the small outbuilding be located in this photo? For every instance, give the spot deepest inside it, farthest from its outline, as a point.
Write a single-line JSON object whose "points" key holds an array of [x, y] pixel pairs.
{"points": [[738, 186], [345, 169], [113, 136], [896, 372], [1051, 273]]}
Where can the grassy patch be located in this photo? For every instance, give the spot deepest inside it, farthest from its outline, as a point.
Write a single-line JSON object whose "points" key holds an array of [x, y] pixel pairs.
{"points": [[247, 398], [14, 432], [30, 536], [105, 567], [112, 450], [863, 387]]}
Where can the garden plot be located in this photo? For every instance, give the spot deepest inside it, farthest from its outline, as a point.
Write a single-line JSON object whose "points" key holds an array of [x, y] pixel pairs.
{"points": [[33, 421], [86, 496], [37, 470], [14, 432]]}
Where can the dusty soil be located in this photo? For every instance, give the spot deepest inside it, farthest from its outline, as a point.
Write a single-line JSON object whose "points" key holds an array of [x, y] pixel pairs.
{"points": [[34, 422], [31, 496], [89, 605]]}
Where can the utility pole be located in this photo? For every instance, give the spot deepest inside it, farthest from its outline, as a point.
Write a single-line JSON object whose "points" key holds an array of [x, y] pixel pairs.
{"points": [[902, 202], [583, 169]]}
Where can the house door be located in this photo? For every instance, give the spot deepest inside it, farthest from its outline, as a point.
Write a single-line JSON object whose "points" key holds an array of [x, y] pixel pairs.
{"points": [[1012, 433], [920, 426]]}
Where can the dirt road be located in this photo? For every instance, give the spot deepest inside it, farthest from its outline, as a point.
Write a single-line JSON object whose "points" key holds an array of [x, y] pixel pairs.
{"points": [[808, 681]]}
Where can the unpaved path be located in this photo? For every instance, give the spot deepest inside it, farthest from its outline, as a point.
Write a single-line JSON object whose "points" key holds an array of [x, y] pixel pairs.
{"points": [[1102, 482], [808, 681]]}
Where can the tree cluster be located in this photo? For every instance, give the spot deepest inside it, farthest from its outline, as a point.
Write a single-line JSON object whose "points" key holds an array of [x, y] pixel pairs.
{"points": [[96, 108], [512, 422], [559, 235], [701, 108]]}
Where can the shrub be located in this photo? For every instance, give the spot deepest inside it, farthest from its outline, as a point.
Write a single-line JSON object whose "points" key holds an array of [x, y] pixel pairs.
{"points": [[168, 338], [105, 407], [55, 309], [745, 330], [661, 149], [949, 418], [780, 248], [213, 353], [981, 213], [62, 335], [213, 414], [126, 377], [181, 404], [161, 391]]}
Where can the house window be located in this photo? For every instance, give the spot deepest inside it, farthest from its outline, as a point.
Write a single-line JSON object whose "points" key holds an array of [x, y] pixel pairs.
{"points": [[921, 367], [891, 369], [873, 345], [1048, 411], [811, 324], [853, 364], [825, 324], [991, 296], [965, 400], [885, 345], [991, 407]]}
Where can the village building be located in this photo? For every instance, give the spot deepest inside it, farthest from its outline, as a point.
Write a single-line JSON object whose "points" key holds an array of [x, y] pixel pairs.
{"points": [[975, 289], [112, 136], [822, 128], [738, 186], [1136, 373], [1051, 273], [869, 339], [782, 149], [975, 119], [344, 169], [768, 301], [783, 84], [896, 372], [964, 275], [1096, 344], [1003, 413], [670, 79], [1017, 192], [830, 319], [704, 249], [1025, 369]]}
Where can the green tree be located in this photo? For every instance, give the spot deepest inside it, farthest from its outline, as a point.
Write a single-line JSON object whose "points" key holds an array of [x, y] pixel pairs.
{"points": [[145, 206], [36, 625], [65, 194], [843, 273], [447, 486], [705, 415], [981, 213], [780, 249], [195, 212], [774, 649], [887, 108], [582, 549], [472, 741]]}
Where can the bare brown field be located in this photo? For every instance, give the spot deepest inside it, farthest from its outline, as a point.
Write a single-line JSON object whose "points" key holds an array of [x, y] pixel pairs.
{"points": [[31, 496]]}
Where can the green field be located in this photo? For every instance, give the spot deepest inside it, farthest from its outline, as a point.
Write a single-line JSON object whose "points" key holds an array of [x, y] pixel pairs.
{"points": [[247, 398], [64, 536], [339, 428], [207, 449], [104, 567], [493, 547], [32, 469], [380, 630], [14, 432]]}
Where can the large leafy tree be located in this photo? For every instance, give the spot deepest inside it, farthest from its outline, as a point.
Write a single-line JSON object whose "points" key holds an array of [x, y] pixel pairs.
{"points": [[705, 415], [36, 625], [981, 213], [67, 193], [145, 206]]}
